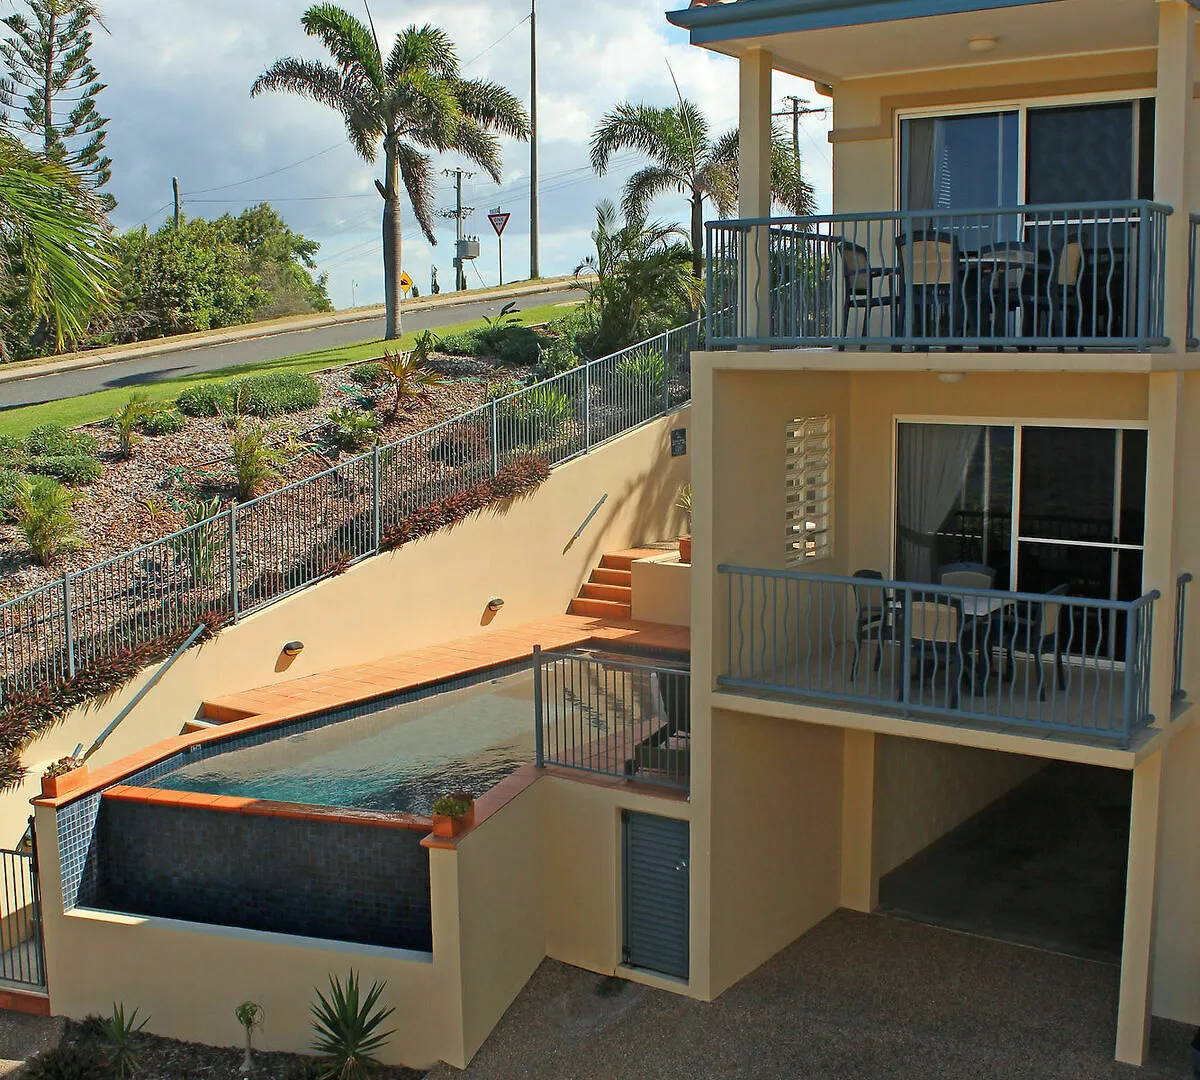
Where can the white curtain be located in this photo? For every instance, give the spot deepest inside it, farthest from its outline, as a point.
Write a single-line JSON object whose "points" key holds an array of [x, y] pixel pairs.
{"points": [[931, 465]]}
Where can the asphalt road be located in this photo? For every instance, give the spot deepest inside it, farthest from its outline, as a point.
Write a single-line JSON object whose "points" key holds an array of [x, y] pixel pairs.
{"points": [[175, 365]]}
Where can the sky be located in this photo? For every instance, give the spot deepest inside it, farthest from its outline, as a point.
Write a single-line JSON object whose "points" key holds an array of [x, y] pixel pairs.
{"points": [[178, 75]]}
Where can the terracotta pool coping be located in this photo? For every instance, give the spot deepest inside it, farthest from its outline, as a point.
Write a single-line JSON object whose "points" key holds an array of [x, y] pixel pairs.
{"points": [[303, 697]]}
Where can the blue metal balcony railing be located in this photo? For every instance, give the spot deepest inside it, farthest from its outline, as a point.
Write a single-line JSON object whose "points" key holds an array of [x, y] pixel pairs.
{"points": [[1029, 277], [1178, 690], [613, 717], [980, 658]]}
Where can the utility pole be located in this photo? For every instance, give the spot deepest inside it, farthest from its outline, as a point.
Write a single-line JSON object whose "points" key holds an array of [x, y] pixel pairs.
{"points": [[798, 109], [535, 270], [175, 190], [460, 214]]}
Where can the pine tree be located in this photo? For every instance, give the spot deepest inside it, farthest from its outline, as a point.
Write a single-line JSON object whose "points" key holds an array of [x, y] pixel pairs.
{"points": [[48, 57]]}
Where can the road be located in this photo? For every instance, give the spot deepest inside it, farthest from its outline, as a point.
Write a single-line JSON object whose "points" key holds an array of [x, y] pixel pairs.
{"points": [[176, 365]]}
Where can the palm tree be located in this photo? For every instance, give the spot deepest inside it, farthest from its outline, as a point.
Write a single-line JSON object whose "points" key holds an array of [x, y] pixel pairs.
{"points": [[412, 101], [56, 251], [410, 377], [685, 158]]}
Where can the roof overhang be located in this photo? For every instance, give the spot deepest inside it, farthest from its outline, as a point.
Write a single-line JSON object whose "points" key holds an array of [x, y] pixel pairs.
{"points": [[764, 18]]}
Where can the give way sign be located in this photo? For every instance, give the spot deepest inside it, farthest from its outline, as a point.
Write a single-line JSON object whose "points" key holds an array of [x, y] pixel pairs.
{"points": [[499, 219]]}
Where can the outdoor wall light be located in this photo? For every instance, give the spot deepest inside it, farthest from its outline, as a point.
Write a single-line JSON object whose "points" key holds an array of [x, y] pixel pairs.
{"points": [[293, 648], [950, 376], [982, 43], [495, 604]]}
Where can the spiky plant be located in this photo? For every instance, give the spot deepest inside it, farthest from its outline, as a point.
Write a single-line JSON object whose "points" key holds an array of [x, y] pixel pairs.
{"points": [[410, 377], [347, 1028], [413, 101], [41, 508], [129, 419], [255, 461], [123, 1039]]}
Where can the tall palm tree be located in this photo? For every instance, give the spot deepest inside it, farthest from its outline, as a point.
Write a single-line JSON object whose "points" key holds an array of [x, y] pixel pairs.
{"points": [[56, 251], [413, 100], [684, 157]]}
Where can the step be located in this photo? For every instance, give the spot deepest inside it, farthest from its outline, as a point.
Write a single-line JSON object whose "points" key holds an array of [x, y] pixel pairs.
{"points": [[618, 594], [223, 714], [623, 560], [600, 609], [604, 576]]}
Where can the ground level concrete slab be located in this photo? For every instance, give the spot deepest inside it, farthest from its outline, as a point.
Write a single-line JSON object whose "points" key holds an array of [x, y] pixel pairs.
{"points": [[866, 997]]}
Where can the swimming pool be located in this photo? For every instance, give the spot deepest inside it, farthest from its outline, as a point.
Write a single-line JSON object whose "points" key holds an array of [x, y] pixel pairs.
{"points": [[398, 757]]}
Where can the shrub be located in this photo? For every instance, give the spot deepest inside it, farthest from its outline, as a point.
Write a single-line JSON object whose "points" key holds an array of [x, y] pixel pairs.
{"points": [[640, 375], [71, 1061], [128, 419], [347, 1028], [10, 479], [123, 1036], [451, 806], [165, 421], [12, 453], [578, 326], [255, 461], [276, 394], [204, 399], [468, 343], [371, 373], [537, 414], [519, 347], [41, 509], [74, 469], [557, 355], [58, 440], [351, 429], [461, 444]]}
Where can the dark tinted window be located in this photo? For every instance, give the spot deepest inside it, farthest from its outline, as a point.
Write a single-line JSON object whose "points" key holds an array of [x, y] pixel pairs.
{"points": [[1080, 154]]}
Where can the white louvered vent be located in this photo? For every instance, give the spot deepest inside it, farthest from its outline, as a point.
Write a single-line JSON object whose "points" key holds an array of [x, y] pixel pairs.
{"points": [[808, 489]]}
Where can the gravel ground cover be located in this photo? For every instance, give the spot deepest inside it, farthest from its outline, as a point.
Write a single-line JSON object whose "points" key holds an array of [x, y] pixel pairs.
{"points": [[143, 497]]}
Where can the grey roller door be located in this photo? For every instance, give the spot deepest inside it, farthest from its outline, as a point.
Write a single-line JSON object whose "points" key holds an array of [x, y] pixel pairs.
{"points": [[655, 863]]}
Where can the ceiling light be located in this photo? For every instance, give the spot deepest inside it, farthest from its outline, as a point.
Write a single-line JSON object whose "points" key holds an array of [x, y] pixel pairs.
{"points": [[950, 376], [982, 43]]}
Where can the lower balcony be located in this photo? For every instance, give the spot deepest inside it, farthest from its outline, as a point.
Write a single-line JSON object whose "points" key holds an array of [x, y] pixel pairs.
{"points": [[1048, 664]]}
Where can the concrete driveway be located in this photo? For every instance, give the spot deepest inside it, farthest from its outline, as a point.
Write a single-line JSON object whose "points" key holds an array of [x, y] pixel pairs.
{"points": [[860, 997]]}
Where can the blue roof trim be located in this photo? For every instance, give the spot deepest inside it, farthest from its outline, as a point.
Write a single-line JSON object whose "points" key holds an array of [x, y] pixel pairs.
{"points": [[763, 18]]}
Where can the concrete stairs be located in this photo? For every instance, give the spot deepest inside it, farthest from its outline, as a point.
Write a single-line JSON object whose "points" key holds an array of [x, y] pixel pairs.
{"points": [[608, 593]]}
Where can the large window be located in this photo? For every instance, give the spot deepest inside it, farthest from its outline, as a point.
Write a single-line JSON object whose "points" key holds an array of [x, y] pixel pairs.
{"points": [[959, 162]]}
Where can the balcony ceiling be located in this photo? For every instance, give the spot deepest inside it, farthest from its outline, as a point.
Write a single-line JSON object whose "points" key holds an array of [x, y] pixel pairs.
{"points": [[914, 44]]}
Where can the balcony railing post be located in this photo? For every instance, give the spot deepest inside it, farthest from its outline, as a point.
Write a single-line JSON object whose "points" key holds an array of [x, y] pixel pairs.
{"points": [[539, 709], [666, 387], [1145, 219]]}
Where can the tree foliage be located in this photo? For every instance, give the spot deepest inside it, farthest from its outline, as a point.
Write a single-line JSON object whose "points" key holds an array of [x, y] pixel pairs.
{"points": [[413, 101], [48, 55]]}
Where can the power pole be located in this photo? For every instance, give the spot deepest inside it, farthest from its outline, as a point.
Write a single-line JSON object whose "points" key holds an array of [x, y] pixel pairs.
{"points": [[535, 270], [175, 189], [460, 214], [798, 110]]}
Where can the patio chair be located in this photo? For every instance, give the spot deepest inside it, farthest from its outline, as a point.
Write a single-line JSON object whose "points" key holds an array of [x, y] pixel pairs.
{"points": [[874, 618], [967, 575], [930, 267], [862, 281], [1060, 297], [1034, 629], [934, 630], [1006, 284]]}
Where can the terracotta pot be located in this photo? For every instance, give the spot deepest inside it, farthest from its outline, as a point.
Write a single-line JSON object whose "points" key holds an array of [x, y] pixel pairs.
{"points": [[446, 826], [685, 549], [54, 786]]}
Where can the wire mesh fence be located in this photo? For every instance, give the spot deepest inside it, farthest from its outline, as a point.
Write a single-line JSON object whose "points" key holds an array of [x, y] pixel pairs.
{"points": [[260, 551]]}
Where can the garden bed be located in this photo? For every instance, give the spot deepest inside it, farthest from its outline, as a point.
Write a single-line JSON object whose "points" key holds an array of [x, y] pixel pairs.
{"points": [[144, 497]]}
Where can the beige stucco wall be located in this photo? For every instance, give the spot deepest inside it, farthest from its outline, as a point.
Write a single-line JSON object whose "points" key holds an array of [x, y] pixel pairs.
{"points": [[775, 837], [924, 789], [662, 590], [434, 590]]}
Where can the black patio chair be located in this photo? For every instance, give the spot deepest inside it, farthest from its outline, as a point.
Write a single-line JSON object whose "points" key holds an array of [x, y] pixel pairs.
{"points": [[862, 285], [1034, 629], [874, 618], [930, 267]]}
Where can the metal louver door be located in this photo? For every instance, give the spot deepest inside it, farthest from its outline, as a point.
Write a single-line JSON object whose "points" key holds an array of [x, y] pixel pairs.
{"points": [[656, 909]]}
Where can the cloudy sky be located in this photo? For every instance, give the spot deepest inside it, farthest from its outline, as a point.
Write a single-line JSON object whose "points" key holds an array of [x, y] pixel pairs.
{"points": [[179, 72]]}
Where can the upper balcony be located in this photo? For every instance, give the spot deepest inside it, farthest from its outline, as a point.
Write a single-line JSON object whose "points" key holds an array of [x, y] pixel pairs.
{"points": [[1046, 277]]}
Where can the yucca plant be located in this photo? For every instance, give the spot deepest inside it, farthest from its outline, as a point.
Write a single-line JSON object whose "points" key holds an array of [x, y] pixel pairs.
{"points": [[123, 1038], [684, 501], [407, 371], [131, 418], [41, 508], [347, 1029], [255, 461], [202, 547]]}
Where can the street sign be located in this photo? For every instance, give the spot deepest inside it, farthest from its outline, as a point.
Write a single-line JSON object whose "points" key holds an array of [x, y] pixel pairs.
{"points": [[498, 220], [405, 282]]}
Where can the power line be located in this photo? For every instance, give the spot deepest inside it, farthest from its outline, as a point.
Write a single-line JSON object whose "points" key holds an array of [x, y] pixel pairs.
{"points": [[287, 198], [508, 33], [263, 176]]}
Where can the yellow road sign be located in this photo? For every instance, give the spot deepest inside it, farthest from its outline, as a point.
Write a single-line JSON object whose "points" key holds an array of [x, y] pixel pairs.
{"points": [[405, 282]]}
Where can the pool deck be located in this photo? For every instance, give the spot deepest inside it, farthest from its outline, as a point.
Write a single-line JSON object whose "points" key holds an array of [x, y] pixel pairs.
{"points": [[268, 705]]}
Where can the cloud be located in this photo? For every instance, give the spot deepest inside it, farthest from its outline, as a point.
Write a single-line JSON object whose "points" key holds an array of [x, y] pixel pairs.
{"points": [[178, 75]]}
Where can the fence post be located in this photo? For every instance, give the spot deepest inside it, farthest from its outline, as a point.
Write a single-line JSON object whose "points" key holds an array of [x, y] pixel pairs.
{"points": [[666, 402], [1145, 224], [538, 708], [495, 420], [233, 563], [587, 406], [376, 523], [68, 625]]}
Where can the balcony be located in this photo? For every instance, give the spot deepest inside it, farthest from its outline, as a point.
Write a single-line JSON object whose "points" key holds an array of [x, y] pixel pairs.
{"points": [[1032, 278], [1049, 665]]}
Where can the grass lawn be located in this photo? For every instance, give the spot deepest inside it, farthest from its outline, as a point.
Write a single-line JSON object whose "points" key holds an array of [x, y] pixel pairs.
{"points": [[71, 412]]}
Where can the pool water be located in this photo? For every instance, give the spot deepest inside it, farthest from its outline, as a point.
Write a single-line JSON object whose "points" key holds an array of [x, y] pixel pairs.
{"points": [[400, 758]]}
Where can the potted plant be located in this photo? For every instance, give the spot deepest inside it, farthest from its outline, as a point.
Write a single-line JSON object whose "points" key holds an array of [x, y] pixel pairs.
{"points": [[63, 775], [450, 815], [684, 503], [469, 799]]}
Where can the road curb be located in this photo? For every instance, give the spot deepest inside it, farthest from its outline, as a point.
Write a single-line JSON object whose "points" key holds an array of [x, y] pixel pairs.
{"points": [[185, 342]]}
